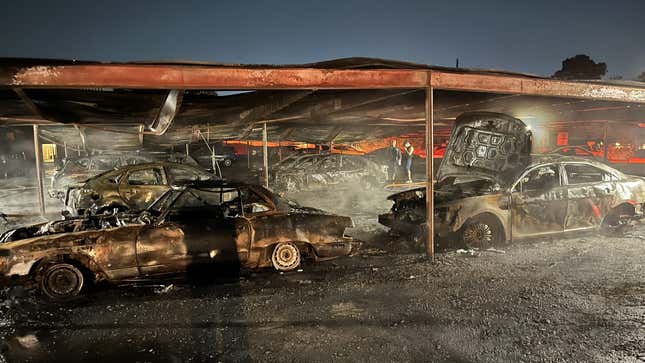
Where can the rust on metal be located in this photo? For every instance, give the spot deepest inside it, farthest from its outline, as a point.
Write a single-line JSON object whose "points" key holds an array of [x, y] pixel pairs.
{"points": [[192, 77]]}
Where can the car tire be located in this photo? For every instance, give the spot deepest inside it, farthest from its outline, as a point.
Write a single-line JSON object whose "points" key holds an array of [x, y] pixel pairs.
{"points": [[61, 281], [482, 231], [286, 256], [617, 219]]}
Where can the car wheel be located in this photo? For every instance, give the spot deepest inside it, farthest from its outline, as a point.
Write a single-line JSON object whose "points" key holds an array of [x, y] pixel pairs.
{"points": [[286, 256], [617, 219], [228, 162], [61, 281], [481, 232]]}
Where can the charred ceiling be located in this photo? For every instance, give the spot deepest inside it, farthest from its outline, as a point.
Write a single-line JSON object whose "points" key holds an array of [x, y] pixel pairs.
{"points": [[131, 117]]}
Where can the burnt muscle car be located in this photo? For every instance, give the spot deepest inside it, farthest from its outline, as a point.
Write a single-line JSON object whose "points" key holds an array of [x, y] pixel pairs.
{"points": [[206, 223], [491, 190], [133, 187], [312, 171]]}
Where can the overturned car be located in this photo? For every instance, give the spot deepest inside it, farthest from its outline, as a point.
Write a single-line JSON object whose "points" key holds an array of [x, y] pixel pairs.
{"points": [[491, 190], [204, 224]]}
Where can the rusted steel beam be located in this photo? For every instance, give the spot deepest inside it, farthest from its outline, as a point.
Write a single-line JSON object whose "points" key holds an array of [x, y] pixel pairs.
{"points": [[203, 77], [534, 86], [429, 173], [265, 155], [195, 77], [39, 172]]}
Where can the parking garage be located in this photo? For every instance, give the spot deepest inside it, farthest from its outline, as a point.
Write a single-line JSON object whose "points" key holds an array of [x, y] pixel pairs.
{"points": [[318, 134]]}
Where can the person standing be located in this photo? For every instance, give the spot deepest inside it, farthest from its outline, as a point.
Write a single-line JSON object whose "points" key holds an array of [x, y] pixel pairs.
{"points": [[409, 153], [395, 160]]}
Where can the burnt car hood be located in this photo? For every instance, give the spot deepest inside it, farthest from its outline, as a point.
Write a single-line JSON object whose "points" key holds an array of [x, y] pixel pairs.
{"points": [[487, 145]]}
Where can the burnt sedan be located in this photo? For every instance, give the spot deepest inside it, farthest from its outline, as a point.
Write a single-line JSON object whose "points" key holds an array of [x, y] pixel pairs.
{"points": [[132, 187], [209, 223], [315, 171], [490, 190]]}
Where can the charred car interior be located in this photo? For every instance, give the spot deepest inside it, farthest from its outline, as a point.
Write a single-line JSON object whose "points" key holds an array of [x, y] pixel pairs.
{"points": [[291, 198]]}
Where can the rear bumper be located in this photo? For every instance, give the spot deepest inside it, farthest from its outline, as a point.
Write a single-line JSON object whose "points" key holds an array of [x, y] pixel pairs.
{"points": [[336, 249]]}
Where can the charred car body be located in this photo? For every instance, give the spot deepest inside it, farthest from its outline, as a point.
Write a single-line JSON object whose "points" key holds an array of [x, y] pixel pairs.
{"points": [[491, 190], [77, 170], [133, 187], [312, 171], [214, 222]]}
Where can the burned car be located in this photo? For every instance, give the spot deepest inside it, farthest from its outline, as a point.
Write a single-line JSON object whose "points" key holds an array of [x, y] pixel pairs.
{"points": [[133, 187], [206, 223], [312, 171], [490, 189], [77, 170]]}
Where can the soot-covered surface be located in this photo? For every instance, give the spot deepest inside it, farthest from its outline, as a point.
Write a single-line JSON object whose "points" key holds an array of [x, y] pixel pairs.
{"points": [[573, 299]]}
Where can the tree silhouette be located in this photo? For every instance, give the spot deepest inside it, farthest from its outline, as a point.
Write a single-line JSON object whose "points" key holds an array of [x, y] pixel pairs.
{"points": [[581, 67], [641, 77]]}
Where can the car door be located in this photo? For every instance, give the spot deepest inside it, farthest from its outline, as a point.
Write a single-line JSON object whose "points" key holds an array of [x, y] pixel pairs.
{"points": [[539, 202], [214, 228], [590, 194], [196, 232], [142, 186], [260, 213]]}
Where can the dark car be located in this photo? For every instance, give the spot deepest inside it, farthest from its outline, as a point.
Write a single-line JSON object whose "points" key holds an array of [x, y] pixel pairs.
{"points": [[207, 223], [312, 171], [491, 190], [75, 171], [133, 187]]}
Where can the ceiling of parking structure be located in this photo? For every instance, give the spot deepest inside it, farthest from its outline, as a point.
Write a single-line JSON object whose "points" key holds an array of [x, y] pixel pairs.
{"points": [[115, 119], [109, 118]]}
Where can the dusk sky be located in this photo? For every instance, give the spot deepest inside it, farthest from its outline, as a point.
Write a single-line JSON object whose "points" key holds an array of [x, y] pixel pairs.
{"points": [[525, 36]]}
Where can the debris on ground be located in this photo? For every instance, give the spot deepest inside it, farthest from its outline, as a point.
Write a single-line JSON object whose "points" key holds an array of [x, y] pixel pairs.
{"points": [[471, 252], [165, 289], [494, 250]]}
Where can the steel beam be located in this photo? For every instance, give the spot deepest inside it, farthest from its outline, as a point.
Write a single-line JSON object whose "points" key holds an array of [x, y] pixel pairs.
{"points": [[429, 173], [524, 85], [265, 155], [204, 77], [39, 172], [212, 77]]}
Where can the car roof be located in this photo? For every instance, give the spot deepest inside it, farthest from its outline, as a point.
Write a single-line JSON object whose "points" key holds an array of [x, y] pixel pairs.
{"points": [[538, 159]]}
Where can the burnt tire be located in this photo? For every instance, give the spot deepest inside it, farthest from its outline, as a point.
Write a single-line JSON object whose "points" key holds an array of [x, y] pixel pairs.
{"points": [[617, 220], [61, 281], [482, 231], [285, 256]]}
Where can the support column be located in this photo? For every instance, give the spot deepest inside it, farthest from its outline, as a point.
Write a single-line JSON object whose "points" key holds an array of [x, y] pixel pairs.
{"points": [[39, 172], [604, 141], [248, 155], [265, 155], [429, 173]]}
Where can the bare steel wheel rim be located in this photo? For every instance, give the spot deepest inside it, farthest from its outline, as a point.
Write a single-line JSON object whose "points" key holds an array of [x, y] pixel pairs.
{"points": [[62, 281], [478, 235], [286, 256]]}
